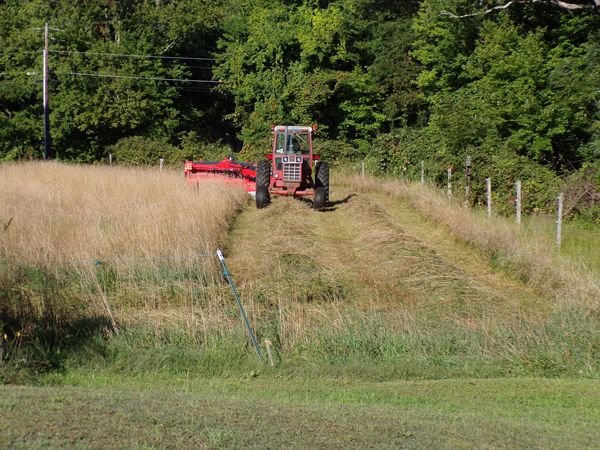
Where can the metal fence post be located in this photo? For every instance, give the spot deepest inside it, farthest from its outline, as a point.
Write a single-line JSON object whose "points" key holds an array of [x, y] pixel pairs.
{"points": [[229, 279]]}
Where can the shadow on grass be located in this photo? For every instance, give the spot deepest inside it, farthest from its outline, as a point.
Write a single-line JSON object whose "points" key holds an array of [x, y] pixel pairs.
{"points": [[331, 205], [46, 344]]}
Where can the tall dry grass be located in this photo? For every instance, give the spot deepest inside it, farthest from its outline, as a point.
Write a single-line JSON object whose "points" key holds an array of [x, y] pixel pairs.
{"points": [[64, 213], [94, 241], [530, 258]]}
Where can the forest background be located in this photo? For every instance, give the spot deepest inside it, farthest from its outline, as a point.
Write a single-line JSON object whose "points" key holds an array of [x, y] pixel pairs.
{"points": [[513, 85]]}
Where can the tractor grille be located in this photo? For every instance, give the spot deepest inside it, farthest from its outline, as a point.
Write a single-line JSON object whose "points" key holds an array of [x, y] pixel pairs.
{"points": [[292, 171]]}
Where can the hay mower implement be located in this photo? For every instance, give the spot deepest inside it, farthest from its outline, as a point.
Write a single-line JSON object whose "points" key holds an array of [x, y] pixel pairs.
{"points": [[228, 171], [290, 169]]}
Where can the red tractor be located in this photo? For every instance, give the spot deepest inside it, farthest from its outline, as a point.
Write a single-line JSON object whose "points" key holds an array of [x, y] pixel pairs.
{"points": [[292, 168]]}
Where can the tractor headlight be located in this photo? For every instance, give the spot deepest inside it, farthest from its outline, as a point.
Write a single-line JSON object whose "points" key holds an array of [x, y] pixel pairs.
{"points": [[285, 159], [298, 158]]}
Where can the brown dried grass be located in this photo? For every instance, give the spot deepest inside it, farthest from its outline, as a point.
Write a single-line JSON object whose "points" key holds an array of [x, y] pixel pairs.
{"points": [[62, 213], [93, 240]]}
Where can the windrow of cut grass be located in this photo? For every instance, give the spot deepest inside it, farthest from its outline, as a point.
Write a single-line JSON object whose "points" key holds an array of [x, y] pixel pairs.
{"points": [[531, 258], [86, 248]]}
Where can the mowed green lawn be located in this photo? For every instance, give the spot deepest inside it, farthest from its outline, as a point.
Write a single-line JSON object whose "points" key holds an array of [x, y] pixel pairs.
{"points": [[272, 412]]}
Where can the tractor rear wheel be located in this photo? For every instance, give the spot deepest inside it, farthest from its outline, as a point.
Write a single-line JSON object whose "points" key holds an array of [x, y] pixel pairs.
{"points": [[320, 198], [322, 178], [263, 179]]}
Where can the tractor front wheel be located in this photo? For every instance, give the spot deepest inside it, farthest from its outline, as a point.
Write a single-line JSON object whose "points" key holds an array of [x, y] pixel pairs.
{"points": [[262, 197], [322, 178], [263, 179], [320, 198]]}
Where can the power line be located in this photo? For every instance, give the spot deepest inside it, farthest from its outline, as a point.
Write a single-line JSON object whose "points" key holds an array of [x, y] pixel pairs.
{"points": [[123, 55], [131, 77]]}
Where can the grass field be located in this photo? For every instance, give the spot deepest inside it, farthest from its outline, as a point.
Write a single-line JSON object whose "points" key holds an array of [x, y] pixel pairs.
{"points": [[397, 319], [272, 412]]}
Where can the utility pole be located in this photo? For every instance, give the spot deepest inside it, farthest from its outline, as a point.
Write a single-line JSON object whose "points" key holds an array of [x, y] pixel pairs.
{"points": [[47, 154]]}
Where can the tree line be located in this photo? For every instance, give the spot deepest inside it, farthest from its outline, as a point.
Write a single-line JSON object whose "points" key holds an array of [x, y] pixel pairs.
{"points": [[512, 84]]}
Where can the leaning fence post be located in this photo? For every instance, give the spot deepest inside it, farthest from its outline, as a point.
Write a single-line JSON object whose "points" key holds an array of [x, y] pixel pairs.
{"points": [[518, 201], [488, 183], [559, 220], [449, 192], [229, 279]]}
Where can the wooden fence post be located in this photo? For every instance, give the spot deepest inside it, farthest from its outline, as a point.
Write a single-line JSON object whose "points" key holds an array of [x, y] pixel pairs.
{"points": [[422, 172], [559, 220], [449, 192], [161, 162], [518, 202], [468, 174], [268, 345], [488, 182]]}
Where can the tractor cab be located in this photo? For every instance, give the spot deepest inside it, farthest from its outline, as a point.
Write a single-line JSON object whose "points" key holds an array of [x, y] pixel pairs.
{"points": [[292, 161], [297, 142]]}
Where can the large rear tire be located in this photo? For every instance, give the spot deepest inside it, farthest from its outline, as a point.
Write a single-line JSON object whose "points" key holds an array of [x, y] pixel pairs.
{"points": [[322, 178], [320, 198], [263, 179]]}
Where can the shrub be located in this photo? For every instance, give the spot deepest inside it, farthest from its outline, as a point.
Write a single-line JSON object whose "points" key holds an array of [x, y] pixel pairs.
{"points": [[400, 154], [336, 152], [582, 194], [142, 151]]}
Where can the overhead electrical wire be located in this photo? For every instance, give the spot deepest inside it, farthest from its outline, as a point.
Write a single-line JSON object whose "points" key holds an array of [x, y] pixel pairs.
{"points": [[132, 77], [197, 82], [138, 56], [123, 55]]}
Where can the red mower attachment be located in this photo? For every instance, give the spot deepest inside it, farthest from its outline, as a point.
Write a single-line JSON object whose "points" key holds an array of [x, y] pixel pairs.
{"points": [[242, 174]]}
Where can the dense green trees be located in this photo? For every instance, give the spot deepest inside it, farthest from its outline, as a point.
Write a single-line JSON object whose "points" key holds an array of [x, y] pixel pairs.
{"points": [[512, 89], [514, 85], [96, 96]]}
